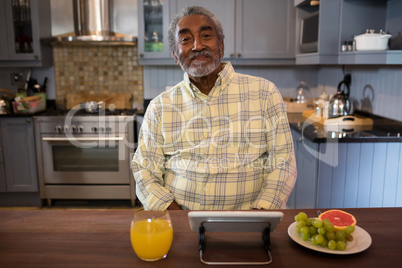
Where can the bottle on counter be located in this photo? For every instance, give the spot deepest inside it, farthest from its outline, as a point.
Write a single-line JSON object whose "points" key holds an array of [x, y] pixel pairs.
{"points": [[303, 93]]}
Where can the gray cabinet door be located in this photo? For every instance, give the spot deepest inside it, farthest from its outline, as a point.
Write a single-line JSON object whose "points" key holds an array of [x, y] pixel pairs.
{"points": [[3, 33], [304, 192], [19, 154], [21, 28], [265, 29]]}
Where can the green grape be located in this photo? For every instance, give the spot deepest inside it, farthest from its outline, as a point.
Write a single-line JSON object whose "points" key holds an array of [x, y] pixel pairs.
{"points": [[313, 240], [305, 230], [301, 216], [350, 229], [321, 230], [341, 235], [326, 221], [324, 243], [330, 235], [317, 223], [313, 230], [332, 244], [329, 227], [300, 224], [310, 221], [306, 237], [340, 245], [318, 238]]}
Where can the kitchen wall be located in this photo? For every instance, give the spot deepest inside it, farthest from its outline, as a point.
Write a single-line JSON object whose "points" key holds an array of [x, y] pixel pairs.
{"points": [[379, 88], [97, 69]]}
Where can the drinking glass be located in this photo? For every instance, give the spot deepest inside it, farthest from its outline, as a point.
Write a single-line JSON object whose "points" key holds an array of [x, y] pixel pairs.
{"points": [[151, 234]]}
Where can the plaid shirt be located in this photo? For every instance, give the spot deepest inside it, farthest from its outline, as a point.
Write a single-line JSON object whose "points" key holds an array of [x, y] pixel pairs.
{"points": [[229, 150]]}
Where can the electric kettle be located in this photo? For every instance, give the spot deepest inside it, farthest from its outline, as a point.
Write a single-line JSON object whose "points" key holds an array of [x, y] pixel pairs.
{"points": [[340, 104]]}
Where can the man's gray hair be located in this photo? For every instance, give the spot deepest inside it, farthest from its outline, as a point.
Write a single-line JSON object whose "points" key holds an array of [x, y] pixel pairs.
{"points": [[194, 10]]}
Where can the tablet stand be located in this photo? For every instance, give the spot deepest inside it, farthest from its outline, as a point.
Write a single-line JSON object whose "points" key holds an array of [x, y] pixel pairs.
{"points": [[265, 237]]}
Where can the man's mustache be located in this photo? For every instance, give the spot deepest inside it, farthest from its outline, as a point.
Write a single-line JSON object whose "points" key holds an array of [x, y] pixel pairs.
{"points": [[200, 54]]}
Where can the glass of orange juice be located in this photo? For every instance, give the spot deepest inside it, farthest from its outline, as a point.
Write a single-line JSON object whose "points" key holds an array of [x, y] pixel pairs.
{"points": [[151, 234]]}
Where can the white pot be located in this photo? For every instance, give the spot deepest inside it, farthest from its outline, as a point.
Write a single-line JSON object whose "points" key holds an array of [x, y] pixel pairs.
{"points": [[372, 41]]}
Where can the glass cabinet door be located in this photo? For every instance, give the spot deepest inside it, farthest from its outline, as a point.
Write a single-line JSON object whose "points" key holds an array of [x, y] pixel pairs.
{"points": [[21, 31], [153, 16]]}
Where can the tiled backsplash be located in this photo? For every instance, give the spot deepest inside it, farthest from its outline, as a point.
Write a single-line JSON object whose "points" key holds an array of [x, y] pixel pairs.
{"points": [[97, 69]]}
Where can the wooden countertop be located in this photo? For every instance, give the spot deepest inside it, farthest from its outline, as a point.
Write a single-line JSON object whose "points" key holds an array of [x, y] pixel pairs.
{"points": [[100, 238]]}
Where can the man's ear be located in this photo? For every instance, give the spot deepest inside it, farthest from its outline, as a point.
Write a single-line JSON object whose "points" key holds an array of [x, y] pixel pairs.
{"points": [[175, 58], [223, 48]]}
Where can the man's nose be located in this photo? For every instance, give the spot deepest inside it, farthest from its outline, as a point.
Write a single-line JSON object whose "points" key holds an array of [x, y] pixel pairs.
{"points": [[198, 44]]}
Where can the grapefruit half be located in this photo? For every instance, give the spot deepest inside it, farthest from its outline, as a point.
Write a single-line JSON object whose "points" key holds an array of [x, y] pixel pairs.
{"points": [[340, 219]]}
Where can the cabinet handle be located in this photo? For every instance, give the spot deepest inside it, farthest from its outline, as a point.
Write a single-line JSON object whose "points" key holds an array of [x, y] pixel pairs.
{"points": [[232, 55], [36, 57], [239, 55], [28, 120], [141, 55], [301, 139]]}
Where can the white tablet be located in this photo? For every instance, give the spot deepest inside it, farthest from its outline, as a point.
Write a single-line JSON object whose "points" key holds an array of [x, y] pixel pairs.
{"points": [[234, 221]]}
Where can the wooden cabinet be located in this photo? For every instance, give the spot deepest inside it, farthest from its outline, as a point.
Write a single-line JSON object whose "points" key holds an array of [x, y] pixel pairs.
{"points": [[19, 155], [257, 32], [340, 21], [23, 24], [346, 175]]}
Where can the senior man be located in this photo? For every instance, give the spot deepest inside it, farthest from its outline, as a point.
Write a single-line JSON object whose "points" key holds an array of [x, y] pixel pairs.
{"points": [[218, 140]]}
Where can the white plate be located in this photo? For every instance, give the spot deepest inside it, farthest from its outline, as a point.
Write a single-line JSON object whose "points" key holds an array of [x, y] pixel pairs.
{"points": [[361, 241]]}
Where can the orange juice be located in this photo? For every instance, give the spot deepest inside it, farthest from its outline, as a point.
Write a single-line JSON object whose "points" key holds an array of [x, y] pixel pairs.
{"points": [[151, 238]]}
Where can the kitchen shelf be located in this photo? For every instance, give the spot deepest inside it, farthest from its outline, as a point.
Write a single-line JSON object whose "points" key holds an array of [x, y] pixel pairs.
{"points": [[341, 20], [371, 57]]}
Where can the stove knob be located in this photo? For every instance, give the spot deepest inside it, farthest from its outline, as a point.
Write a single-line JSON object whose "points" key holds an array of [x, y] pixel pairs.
{"points": [[101, 129], [59, 129], [80, 129], [94, 129], [108, 129], [73, 129], [66, 129]]}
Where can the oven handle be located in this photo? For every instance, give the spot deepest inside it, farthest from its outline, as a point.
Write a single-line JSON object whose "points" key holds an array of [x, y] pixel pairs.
{"points": [[83, 139]]}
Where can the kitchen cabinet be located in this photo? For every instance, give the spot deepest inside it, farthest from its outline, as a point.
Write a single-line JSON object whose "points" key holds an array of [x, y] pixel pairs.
{"points": [[257, 32], [265, 31], [153, 23], [23, 24], [341, 20], [304, 191], [346, 174], [19, 155]]}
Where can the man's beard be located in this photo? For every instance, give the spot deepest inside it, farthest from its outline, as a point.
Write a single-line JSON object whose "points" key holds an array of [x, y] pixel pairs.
{"points": [[199, 69]]}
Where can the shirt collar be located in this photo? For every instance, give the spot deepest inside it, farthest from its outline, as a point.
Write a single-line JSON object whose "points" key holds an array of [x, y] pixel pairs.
{"points": [[224, 77]]}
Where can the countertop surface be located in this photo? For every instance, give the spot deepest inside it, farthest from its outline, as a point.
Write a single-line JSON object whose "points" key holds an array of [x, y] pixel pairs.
{"points": [[383, 130], [101, 238]]}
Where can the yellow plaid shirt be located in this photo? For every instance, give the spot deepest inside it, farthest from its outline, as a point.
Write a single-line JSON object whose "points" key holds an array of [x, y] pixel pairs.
{"points": [[229, 150]]}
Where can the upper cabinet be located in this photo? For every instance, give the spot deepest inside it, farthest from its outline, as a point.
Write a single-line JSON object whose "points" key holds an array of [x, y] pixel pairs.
{"points": [[265, 31], [256, 31], [23, 24], [327, 26], [153, 23]]}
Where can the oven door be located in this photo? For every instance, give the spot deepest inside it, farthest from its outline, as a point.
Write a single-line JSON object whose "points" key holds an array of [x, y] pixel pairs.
{"points": [[86, 160]]}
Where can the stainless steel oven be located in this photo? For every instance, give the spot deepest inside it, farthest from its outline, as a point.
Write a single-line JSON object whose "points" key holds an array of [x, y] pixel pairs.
{"points": [[85, 156]]}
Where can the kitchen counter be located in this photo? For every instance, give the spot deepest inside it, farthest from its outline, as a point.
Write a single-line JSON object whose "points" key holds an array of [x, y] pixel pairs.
{"points": [[101, 238], [383, 130]]}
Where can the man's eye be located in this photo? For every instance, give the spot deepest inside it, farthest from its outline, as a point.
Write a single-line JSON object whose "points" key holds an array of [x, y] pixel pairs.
{"points": [[185, 40]]}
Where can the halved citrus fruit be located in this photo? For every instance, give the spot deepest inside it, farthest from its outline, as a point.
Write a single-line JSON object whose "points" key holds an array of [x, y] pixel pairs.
{"points": [[340, 219]]}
